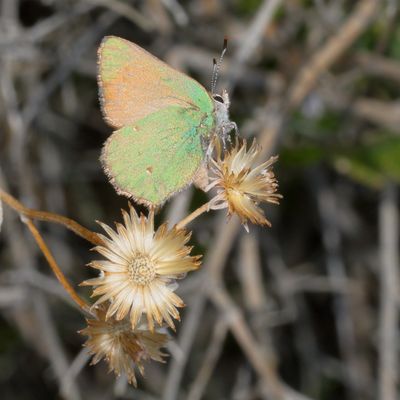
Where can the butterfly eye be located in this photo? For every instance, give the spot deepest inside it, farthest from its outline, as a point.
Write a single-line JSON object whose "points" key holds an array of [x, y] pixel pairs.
{"points": [[218, 98]]}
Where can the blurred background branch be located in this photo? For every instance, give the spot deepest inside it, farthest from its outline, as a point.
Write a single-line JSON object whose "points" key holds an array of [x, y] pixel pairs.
{"points": [[305, 310]]}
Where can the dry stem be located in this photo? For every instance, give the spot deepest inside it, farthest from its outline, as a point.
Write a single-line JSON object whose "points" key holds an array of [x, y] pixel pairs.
{"points": [[332, 50], [389, 277], [70, 224], [54, 266], [204, 208]]}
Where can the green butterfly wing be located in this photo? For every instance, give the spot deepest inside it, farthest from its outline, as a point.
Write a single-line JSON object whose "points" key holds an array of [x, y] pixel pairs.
{"points": [[162, 117], [158, 155]]}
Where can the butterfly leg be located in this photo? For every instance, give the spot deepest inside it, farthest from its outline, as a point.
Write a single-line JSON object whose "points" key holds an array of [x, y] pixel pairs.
{"points": [[235, 127], [207, 145], [226, 128]]}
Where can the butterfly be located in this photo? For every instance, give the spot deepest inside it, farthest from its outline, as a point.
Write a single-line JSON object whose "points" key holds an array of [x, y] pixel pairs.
{"points": [[164, 122]]}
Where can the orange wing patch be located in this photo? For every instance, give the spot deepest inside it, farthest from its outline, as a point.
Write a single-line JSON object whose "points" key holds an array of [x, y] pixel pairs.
{"points": [[133, 83]]}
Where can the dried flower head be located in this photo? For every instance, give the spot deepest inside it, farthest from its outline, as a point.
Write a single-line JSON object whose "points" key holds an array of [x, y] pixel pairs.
{"points": [[241, 185], [124, 349], [141, 268]]}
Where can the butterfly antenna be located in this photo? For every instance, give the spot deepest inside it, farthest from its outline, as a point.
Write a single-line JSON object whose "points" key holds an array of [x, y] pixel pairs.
{"points": [[217, 66], [213, 77]]}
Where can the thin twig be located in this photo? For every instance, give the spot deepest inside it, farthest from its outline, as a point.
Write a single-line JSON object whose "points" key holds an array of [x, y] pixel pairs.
{"points": [[389, 289], [346, 35], [12, 296], [33, 320], [68, 223], [45, 283], [252, 38], [336, 269], [34, 104], [126, 10], [185, 341], [202, 209], [74, 369], [379, 66], [214, 263], [54, 347], [1, 214], [55, 268], [250, 274], [255, 354], [209, 361]]}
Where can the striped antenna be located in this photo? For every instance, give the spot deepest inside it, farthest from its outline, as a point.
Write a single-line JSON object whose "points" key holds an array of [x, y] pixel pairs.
{"points": [[217, 66]]}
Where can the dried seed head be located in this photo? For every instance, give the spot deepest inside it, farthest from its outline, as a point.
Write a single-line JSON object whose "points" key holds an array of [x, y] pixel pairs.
{"points": [[241, 185], [140, 270]]}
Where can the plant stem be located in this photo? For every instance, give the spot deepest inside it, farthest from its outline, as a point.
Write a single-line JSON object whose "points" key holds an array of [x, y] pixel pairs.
{"points": [[185, 221], [54, 266], [70, 224]]}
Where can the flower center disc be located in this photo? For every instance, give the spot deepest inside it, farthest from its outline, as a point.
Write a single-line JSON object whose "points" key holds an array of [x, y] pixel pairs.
{"points": [[141, 269]]}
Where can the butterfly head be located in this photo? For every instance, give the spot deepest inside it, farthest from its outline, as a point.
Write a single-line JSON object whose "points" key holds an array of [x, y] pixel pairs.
{"points": [[221, 106], [221, 101]]}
